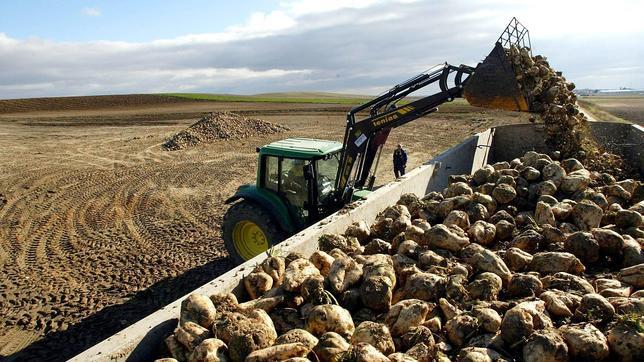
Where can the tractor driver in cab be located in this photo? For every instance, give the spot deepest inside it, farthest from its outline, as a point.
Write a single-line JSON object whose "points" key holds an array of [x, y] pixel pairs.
{"points": [[295, 184]]}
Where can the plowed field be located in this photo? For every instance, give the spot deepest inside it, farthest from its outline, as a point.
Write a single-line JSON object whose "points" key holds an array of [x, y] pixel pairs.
{"points": [[625, 108], [101, 226]]}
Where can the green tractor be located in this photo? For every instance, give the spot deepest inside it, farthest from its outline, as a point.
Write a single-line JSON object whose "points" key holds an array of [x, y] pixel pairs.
{"points": [[294, 188], [301, 180]]}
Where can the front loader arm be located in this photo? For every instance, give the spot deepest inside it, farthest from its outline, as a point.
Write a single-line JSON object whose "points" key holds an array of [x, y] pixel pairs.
{"points": [[363, 140]]}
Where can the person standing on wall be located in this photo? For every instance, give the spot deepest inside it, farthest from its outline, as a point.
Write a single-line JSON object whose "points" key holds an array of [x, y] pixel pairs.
{"points": [[400, 161]]}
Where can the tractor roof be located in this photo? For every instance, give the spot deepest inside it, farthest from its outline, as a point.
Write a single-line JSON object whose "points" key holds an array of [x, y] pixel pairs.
{"points": [[301, 148]]}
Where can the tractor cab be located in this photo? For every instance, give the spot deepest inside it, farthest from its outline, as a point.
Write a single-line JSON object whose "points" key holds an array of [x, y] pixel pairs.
{"points": [[301, 172], [295, 188]]}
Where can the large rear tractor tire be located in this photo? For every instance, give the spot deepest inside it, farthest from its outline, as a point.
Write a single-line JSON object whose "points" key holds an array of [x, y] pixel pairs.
{"points": [[248, 230]]}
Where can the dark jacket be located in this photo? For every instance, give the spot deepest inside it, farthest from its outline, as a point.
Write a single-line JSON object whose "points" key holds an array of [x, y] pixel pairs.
{"points": [[400, 158]]}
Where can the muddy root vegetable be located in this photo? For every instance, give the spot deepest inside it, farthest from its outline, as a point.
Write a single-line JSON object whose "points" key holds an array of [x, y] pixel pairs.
{"points": [[297, 272], [376, 293], [478, 354], [406, 314], [632, 251], [524, 285], [377, 246], [199, 309], [568, 282], [585, 342], [594, 307], [517, 259], [243, 333], [487, 261], [375, 334], [545, 346], [401, 357], [322, 261], [330, 318], [225, 302], [328, 242], [633, 275], [554, 262], [345, 272], [460, 328], [504, 193], [363, 352], [421, 352], [210, 350], [486, 286], [392, 221], [488, 319], [423, 286], [190, 335], [457, 218], [626, 339], [587, 215], [584, 246], [560, 304], [359, 230], [257, 283], [519, 322], [278, 352], [330, 346], [449, 310], [275, 267], [176, 349], [455, 287], [444, 237], [612, 288], [482, 232], [298, 336], [415, 335], [312, 288]]}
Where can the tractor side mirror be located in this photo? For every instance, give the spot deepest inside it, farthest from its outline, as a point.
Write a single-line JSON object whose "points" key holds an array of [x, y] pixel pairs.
{"points": [[308, 171]]}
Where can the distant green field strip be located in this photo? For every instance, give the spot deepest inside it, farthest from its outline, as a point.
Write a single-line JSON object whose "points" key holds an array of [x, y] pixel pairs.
{"points": [[305, 98], [272, 99]]}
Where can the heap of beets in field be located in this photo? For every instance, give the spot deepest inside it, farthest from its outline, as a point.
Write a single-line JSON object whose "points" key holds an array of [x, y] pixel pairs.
{"points": [[218, 126]]}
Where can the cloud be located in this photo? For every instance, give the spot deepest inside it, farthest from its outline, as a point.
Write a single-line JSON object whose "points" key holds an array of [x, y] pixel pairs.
{"points": [[91, 12], [364, 46]]}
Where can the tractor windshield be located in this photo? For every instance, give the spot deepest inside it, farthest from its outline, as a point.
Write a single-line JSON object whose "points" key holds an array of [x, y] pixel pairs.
{"points": [[327, 170]]}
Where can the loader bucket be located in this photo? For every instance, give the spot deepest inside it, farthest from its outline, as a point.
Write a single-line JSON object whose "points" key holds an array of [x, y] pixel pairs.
{"points": [[493, 84]]}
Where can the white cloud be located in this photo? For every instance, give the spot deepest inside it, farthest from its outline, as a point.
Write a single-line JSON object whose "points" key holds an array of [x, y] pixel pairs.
{"points": [[6, 41], [91, 11], [305, 7], [264, 24]]}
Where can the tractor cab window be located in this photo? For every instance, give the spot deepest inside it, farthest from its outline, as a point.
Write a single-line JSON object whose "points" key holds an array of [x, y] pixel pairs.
{"points": [[327, 170], [293, 184], [271, 173]]}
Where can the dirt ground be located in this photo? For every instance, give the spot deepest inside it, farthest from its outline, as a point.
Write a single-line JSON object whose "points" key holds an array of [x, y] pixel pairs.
{"points": [[102, 227], [628, 108]]}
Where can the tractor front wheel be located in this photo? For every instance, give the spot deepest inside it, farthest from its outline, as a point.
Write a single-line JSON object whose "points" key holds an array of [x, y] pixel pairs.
{"points": [[249, 230]]}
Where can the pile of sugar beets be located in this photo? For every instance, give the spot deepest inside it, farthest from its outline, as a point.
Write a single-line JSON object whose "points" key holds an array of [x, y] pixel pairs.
{"points": [[536, 259]]}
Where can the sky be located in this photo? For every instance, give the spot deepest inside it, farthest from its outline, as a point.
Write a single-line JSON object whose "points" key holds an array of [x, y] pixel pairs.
{"points": [[81, 47]]}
